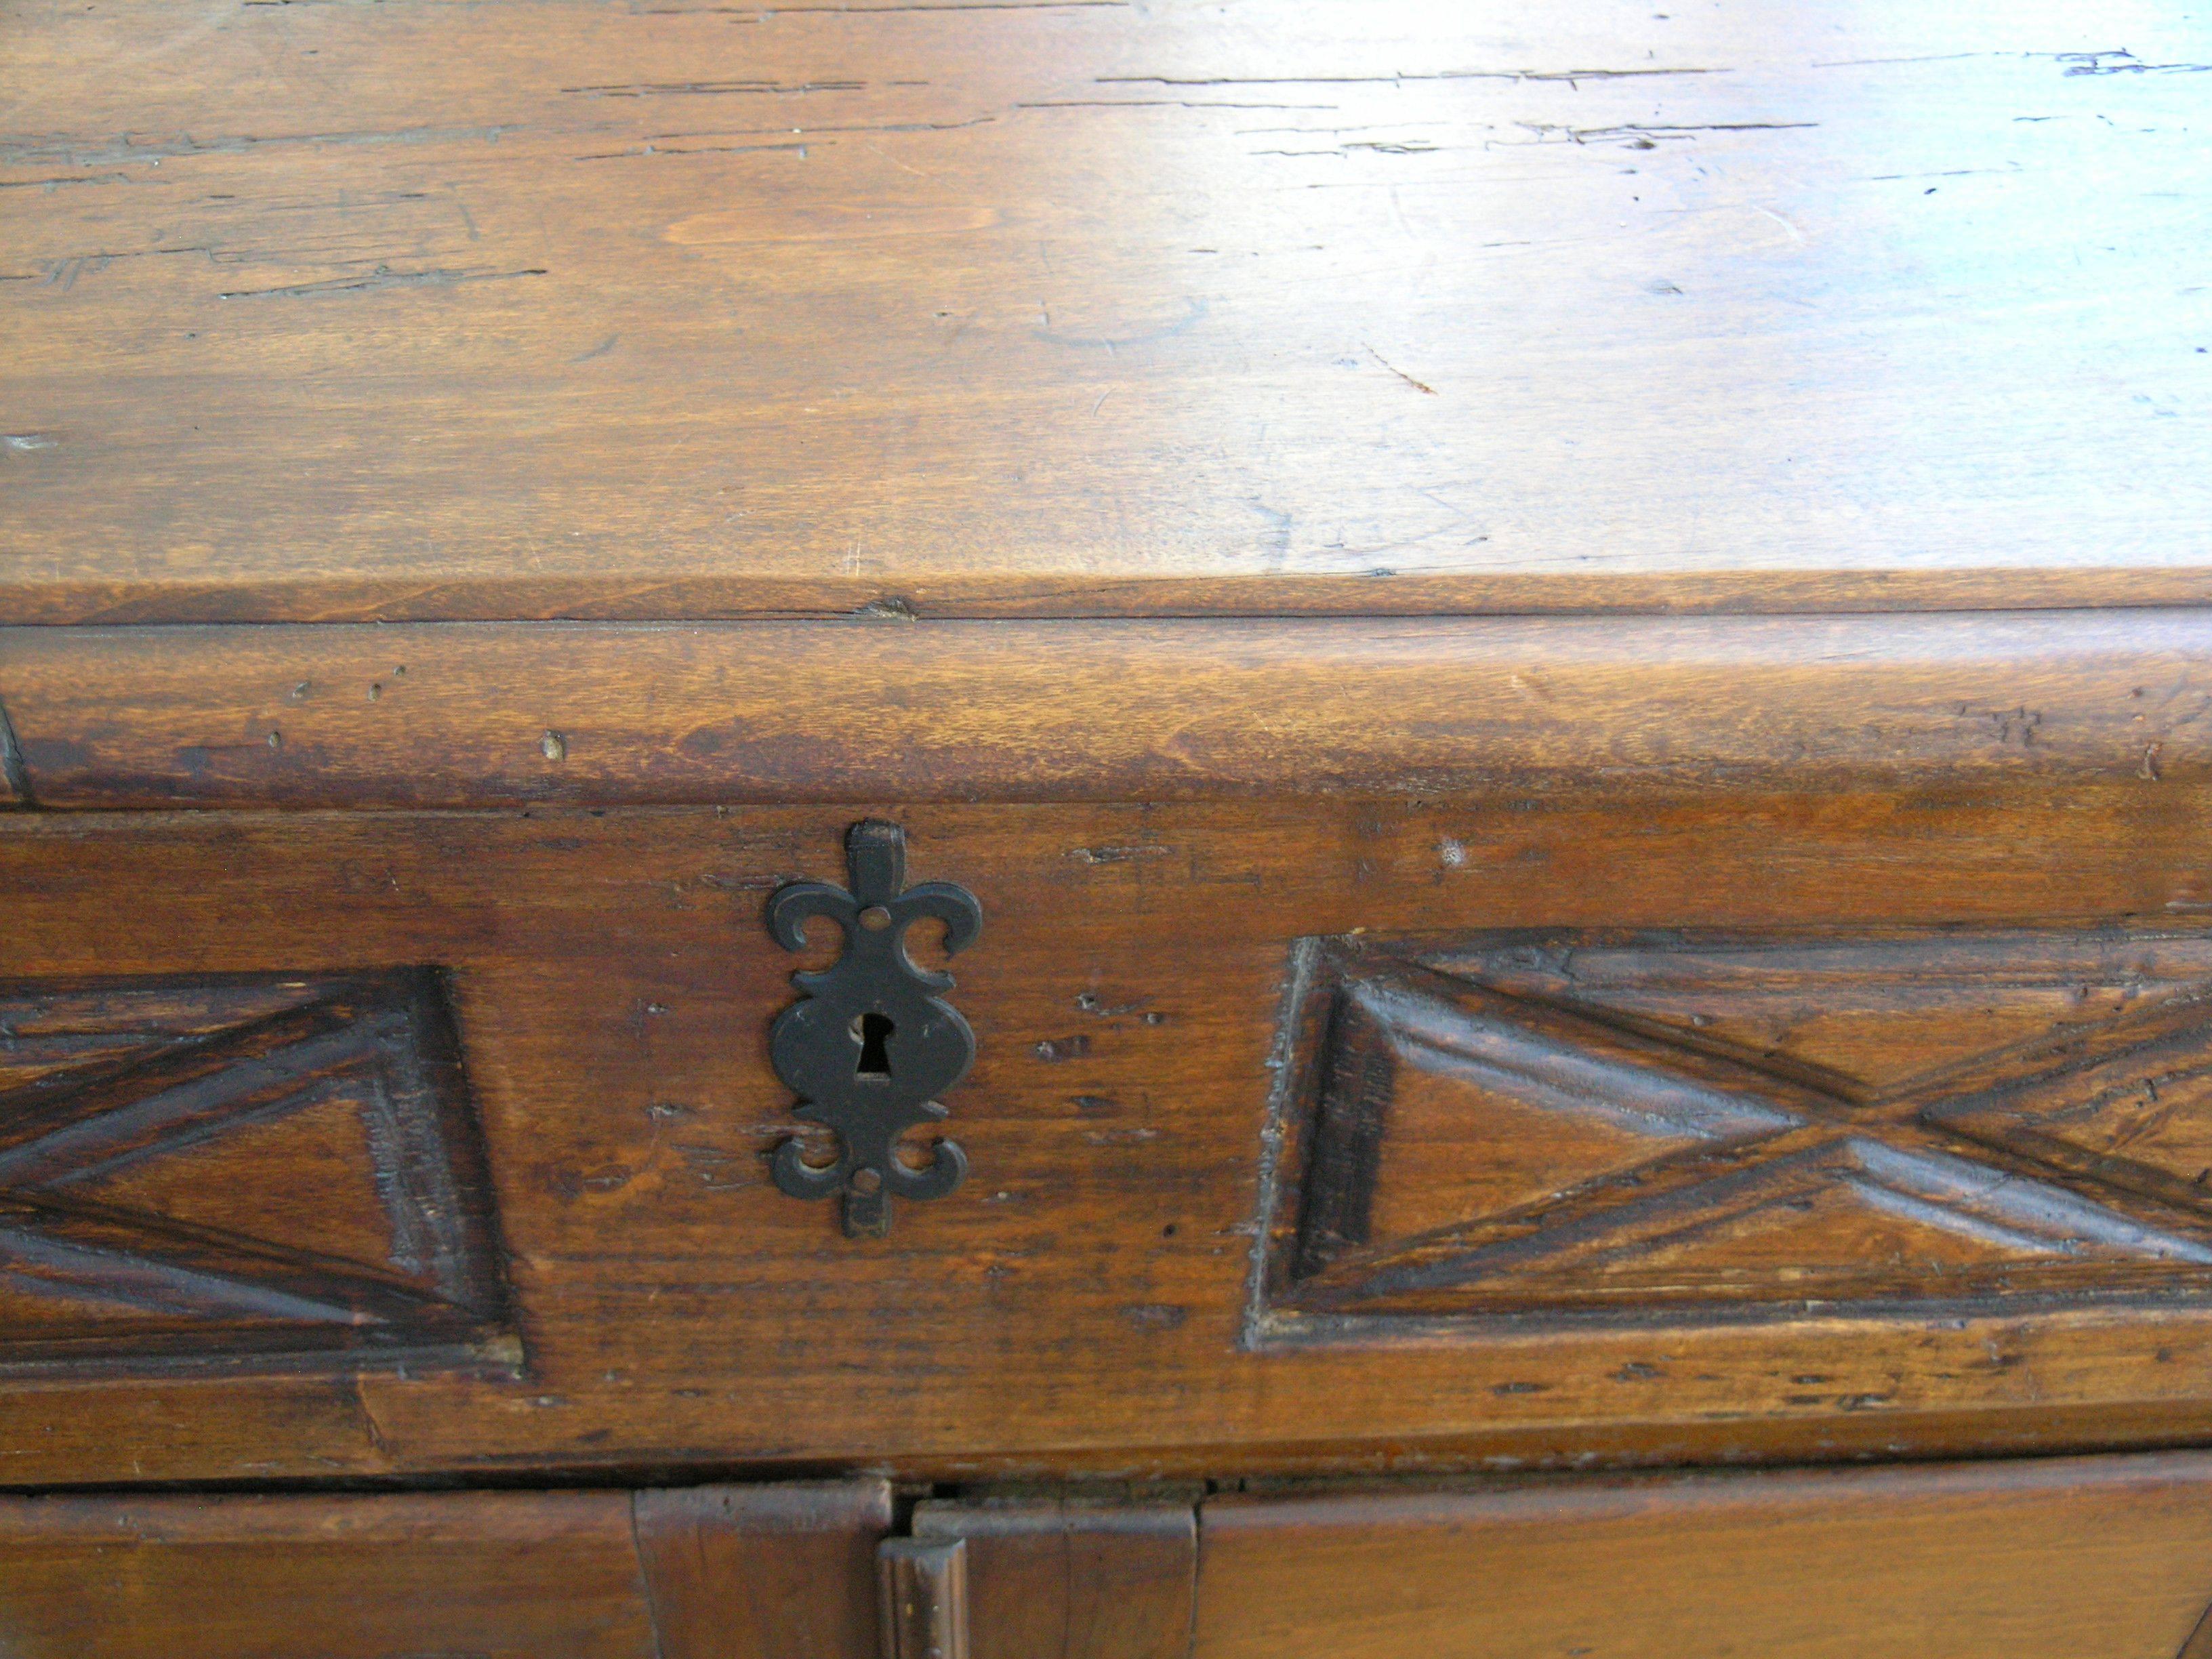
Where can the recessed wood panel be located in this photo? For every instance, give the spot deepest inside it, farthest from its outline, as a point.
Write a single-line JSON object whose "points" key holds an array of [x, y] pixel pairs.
{"points": [[1707, 1127], [258, 1169]]}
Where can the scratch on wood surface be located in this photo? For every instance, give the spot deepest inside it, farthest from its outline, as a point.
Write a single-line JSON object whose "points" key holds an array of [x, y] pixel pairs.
{"points": [[382, 278], [1375, 146], [650, 148], [1418, 385], [715, 88], [1395, 79], [2121, 62], [50, 184], [53, 146], [63, 273], [796, 138], [1647, 136], [351, 1391]]}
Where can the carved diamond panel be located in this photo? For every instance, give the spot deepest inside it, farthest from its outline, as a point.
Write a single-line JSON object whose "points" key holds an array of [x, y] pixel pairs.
{"points": [[1701, 1128], [244, 1170]]}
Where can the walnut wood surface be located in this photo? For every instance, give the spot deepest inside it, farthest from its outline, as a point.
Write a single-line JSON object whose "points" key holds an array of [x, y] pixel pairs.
{"points": [[1059, 1579], [2105, 1559], [220, 1170], [502, 1575], [460, 714], [1082, 1301], [1571, 1123], [774, 1571], [324, 312]]}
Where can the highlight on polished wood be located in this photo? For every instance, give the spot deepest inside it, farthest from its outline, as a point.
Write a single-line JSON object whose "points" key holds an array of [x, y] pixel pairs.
{"points": [[358, 313], [721, 714]]}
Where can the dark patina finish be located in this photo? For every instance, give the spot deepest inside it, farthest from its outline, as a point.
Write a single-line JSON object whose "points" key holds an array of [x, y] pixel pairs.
{"points": [[870, 1047]]}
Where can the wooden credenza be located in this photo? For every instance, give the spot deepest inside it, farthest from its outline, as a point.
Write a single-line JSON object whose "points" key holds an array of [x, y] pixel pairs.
{"points": [[1144, 831]]}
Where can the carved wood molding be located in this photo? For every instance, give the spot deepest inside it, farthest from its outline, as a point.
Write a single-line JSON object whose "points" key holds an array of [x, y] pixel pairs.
{"points": [[265, 1170], [1508, 1130]]}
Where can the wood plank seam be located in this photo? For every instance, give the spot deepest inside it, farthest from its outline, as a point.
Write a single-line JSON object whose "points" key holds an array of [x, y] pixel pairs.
{"points": [[648, 1593]]}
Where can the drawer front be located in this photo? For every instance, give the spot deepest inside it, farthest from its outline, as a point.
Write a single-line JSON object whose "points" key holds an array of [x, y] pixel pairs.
{"points": [[2080, 1558], [514, 1576], [2086, 1559], [1347, 1133], [712, 1572]]}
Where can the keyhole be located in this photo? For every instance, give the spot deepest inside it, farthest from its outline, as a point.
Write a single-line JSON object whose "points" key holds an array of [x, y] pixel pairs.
{"points": [[875, 1032]]}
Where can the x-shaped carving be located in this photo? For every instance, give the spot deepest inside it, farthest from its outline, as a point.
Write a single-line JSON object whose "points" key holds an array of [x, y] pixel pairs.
{"points": [[142, 1285], [1965, 1154]]}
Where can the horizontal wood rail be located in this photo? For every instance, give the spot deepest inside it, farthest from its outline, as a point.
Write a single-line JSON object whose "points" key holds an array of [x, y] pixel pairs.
{"points": [[460, 714]]}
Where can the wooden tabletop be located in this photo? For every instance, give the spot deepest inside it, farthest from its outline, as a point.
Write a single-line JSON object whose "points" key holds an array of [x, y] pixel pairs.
{"points": [[667, 308]]}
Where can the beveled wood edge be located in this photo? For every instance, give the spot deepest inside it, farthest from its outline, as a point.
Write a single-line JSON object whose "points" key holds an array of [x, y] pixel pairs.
{"points": [[219, 1517], [1876, 1436], [592, 713], [1564, 1495], [1091, 594]]}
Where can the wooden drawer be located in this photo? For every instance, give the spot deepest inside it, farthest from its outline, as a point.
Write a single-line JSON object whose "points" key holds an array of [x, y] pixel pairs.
{"points": [[2083, 1558], [774, 1573], [2068, 1560], [1364, 1133]]}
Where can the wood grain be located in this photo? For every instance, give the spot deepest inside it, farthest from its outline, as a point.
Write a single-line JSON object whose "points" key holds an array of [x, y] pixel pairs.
{"points": [[1608, 1125], [263, 1169], [455, 715], [350, 313], [2103, 1559], [1081, 1302], [1056, 1579], [784, 1570], [503, 1575]]}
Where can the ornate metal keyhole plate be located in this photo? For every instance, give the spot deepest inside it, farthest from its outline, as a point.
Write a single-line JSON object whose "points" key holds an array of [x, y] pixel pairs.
{"points": [[870, 1047]]}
